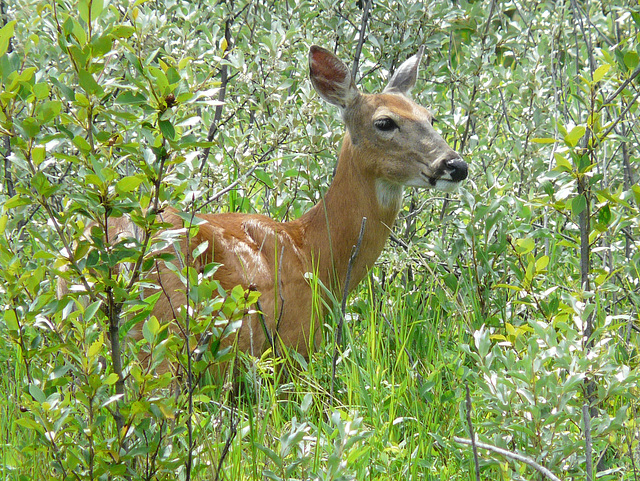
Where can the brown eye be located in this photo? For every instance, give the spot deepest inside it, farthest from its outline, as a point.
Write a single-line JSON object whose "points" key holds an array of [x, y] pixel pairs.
{"points": [[385, 124]]}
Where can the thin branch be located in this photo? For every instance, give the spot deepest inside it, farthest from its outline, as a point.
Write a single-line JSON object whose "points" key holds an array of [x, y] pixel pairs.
{"points": [[363, 28], [233, 429], [476, 461], [8, 179], [233, 184], [472, 99], [354, 254], [187, 313], [224, 80], [586, 416], [338, 336], [622, 86], [511, 455], [620, 117]]}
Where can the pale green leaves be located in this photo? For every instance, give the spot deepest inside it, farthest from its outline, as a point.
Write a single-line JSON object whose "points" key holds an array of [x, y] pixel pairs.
{"points": [[600, 72], [571, 139], [576, 133], [6, 33], [90, 10]]}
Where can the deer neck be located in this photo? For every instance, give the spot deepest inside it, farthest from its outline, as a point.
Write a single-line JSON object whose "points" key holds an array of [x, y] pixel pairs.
{"points": [[332, 227]]}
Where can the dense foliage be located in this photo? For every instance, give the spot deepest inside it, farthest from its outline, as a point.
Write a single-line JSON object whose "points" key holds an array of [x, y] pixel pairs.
{"points": [[509, 309]]}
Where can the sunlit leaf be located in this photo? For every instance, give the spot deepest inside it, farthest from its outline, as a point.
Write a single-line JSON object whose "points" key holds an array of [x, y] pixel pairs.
{"points": [[572, 138], [600, 72], [6, 32]]}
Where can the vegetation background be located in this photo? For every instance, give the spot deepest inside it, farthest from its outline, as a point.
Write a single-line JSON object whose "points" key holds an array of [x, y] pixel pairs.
{"points": [[507, 313]]}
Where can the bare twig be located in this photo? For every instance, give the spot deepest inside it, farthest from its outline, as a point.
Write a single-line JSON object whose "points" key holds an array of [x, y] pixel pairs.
{"points": [[363, 28], [472, 99], [619, 118], [354, 255], [343, 307], [511, 455], [8, 179], [233, 430], [233, 184], [187, 313], [224, 80], [622, 86], [585, 33], [476, 461]]}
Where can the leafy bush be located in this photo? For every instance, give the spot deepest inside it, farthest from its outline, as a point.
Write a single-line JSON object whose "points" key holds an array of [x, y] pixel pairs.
{"points": [[523, 287]]}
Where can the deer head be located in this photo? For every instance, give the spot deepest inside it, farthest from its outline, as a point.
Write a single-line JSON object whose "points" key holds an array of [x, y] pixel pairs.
{"points": [[393, 137]]}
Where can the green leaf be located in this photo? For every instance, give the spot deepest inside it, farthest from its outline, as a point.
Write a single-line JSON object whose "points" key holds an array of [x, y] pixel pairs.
{"points": [[542, 263], [23, 78], [524, 246], [41, 90], [131, 98], [90, 10], [101, 45], [82, 144], [198, 251], [82, 100], [88, 83], [30, 127], [97, 6], [38, 154], [631, 60], [37, 393], [271, 455], [562, 163], [604, 215], [507, 286], [128, 184], [10, 318], [636, 193], [173, 76], [96, 346], [264, 177], [572, 138], [111, 379], [167, 129], [6, 33], [49, 110], [578, 204], [600, 72], [122, 31], [150, 329], [210, 269], [40, 183], [161, 79], [16, 201], [546, 140], [91, 310]]}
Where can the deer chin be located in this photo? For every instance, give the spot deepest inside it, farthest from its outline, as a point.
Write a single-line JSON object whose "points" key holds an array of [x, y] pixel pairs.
{"points": [[428, 182], [445, 185]]}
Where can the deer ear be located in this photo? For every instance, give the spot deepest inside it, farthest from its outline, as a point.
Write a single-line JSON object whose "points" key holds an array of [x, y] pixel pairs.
{"points": [[331, 78], [404, 78]]}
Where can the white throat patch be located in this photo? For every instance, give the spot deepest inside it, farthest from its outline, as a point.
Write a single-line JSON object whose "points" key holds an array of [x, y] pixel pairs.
{"points": [[389, 194]]}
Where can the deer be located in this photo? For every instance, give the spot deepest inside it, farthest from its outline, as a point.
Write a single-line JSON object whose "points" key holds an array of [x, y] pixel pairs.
{"points": [[389, 144]]}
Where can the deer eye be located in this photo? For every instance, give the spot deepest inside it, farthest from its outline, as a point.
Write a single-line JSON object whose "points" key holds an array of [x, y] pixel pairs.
{"points": [[385, 124]]}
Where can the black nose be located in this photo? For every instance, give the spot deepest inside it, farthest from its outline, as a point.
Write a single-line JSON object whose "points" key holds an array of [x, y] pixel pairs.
{"points": [[457, 168]]}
